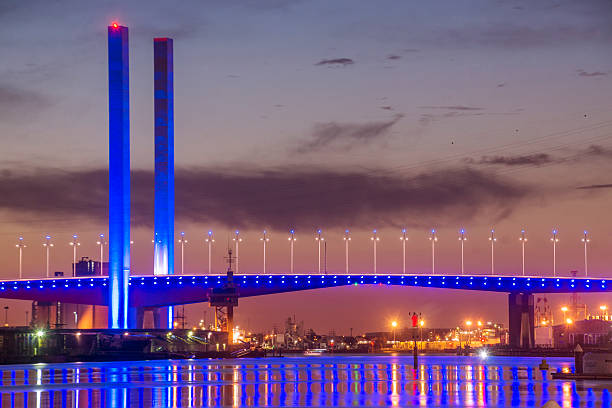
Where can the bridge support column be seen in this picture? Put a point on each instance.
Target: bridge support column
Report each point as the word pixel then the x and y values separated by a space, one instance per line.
pixel 163 317
pixel 521 323
pixel 136 317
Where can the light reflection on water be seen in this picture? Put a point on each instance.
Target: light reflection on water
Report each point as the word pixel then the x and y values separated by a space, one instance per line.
pixel 299 381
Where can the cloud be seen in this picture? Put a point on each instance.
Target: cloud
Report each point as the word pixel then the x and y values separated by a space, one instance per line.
pixel 276 198
pixel 387 107
pixel 454 107
pixel 598 151
pixel 346 135
pixel 501 84
pixel 16 101
pixel 540 159
pixel 594 186
pixel 336 62
pixel 584 73
pixel 537 159
pixel 393 57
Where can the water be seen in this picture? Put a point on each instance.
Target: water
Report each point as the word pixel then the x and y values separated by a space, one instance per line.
pixel 299 381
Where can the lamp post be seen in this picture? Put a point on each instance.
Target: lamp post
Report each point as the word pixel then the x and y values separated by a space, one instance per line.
pixel 319 239
pixel 564 309
pixel 523 239
pixel 554 240
pixel 209 240
pixel 394 325
pixel 347 238
pixel 469 330
pixel 492 239
pixel 375 240
pixel 237 240
pixel 585 239
pixel 101 242
pixel 74 243
pixel 462 239
pixel 291 241
pixel 433 238
pixel 265 240
pixel 403 238
pixel 182 241
pixel 20 244
pixel 47 245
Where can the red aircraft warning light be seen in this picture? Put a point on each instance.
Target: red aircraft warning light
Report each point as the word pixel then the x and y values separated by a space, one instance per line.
pixel 115 25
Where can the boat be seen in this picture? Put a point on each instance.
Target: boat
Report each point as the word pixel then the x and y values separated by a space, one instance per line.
pixel 314 352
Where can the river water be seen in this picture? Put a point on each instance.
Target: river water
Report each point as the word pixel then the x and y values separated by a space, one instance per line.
pixel 357 380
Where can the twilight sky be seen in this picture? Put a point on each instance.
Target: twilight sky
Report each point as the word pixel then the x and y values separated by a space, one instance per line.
pixel 306 114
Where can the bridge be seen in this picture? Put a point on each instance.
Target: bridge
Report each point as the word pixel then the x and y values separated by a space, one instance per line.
pixel 150 291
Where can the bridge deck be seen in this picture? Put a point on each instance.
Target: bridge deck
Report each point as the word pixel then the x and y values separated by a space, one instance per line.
pixel 181 289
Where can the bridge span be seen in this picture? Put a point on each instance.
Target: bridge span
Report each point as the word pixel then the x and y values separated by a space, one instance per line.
pixel 150 291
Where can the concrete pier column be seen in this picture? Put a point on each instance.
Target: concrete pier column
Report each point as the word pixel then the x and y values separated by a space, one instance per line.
pixel 136 317
pixel 162 317
pixel 521 320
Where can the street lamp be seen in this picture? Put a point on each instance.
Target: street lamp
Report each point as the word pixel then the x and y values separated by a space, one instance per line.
pixel 347 238
pixel 101 242
pixel 47 245
pixel 319 239
pixel 564 309
pixel 586 240
pixel 374 238
pixel 74 243
pixel 20 244
pixel 237 240
pixel 394 325
pixel 291 241
pixel 182 241
pixel 462 239
pixel 554 240
pixel 492 239
pixel 209 240
pixel 265 240
pixel 433 238
pixel 468 323
pixel 523 239
pixel 403 238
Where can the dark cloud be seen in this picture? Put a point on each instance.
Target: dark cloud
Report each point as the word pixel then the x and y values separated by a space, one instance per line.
pixel 277 198
pixel 594 186
pixel 454 107
pixel 346 135
pixel 386 107
pixel 583 73
pixel 501 84
pixel 598 151
pixel 537 159
pixel 540 159
pixel 393 57
pixel 336 62
pixel 15 101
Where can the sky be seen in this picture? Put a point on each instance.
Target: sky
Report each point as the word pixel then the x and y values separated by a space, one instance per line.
pixel 315 114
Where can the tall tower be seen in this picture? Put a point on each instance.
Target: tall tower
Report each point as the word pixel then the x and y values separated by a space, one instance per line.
pixel 164 164
pixel 164 156
pixel 119 176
